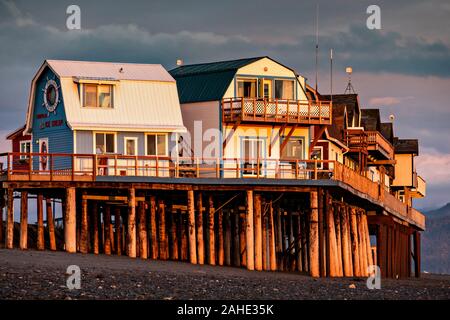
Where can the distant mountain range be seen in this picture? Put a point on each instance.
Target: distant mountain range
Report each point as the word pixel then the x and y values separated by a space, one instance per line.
pixel 436 241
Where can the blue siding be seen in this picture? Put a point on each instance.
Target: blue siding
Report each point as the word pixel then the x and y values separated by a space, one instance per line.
pixel 60 136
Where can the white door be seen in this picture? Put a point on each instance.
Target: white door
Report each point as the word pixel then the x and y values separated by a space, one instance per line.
pixel 43 159
pixel 252 149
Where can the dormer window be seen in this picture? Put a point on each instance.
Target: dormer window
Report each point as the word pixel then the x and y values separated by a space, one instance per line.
pixel 97 95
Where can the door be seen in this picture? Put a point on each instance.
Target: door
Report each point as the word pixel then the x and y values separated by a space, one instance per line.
pixel 252 154
pixel 267 89
pixel 43 159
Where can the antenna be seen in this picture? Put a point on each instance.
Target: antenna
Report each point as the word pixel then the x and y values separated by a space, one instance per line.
pixel 349 89
pixel 392 118
pixel 331 74
pixel 317 45
pixel 180 62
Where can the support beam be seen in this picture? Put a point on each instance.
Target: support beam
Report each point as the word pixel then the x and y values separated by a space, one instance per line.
pixel 84 226
pixel 143 249
pixel 10 219
pixel 332 245
pixel 40 222
pixel 23 220
pixel 355 243
pixel 191 227
pixel 212 242
pixel 50 224
pixel 227 242
pixel 118 227
pixel 131 234
pixel 337 224
pixel 346 252
pixel 220 253
pixel 70 226
pixel 200 242
pixel 95 226
pixel 316 139
pixel 258 232
pixel 272 252
pixel 163 254
pixel 174 233
pixel 417 258
pixel 314 236
pixel 2 206
pixel 154 230
pixel 109 237
pixel 264 215
pixel 286 139
pixel 249 231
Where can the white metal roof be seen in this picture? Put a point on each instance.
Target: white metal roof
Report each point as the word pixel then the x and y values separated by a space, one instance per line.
pixel 145 97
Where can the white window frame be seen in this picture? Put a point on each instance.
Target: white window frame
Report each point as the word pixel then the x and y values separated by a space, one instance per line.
pixel 94 143
pixel 24 157
pixel 166 152
pixel 320 164
pixel 135 139
pixel 113 95
pixel 281 79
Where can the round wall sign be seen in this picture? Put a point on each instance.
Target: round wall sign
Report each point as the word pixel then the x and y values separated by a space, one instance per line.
pixel 51 95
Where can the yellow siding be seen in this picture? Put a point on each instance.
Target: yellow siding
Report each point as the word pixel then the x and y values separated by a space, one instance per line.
pixel 403 170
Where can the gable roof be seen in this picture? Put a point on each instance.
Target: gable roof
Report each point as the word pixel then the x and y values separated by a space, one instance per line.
pixel 338 124
pixel 145 96
pixel 207 81
pixel 370 119
pixel 16 133
pixel 406 146
pixel 387 130
pixel 350 100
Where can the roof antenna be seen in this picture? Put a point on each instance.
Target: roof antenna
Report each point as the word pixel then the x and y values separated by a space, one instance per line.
pixel 317 45
pixel 349 88
pixel 331 74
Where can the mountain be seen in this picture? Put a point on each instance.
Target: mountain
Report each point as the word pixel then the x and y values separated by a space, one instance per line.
pixel 436 241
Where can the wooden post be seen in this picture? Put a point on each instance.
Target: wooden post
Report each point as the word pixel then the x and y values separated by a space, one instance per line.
pixel 367 240
pixel 243 238
pixel 183 234
pixel 107 229
pixel 337 224
pixel 323 261
pixel 264 215
pixel 346 252
pixel 212 243
pixel 10 219
pixel 40 222
pixel 331 235
pixel 272 252
pixel 314 235
pixel 95 223
pixel 200 243
pixel 23 220
pixel 249 231
pixel 236 242
pixel 355 243
pixel 84 225
pixel 417 257
pixel 362 243
pixel 131 234
pixel 299 245
pixel 258 230
pixel 279 238
pixel 174 234
pixel 118 227
pixel 191 227
pixel 50 224
pixel 227 243
pixel 143 249
pixel 163 254
pixel 2 206
pixel 153 230
pixel 221 253
pixel 70 227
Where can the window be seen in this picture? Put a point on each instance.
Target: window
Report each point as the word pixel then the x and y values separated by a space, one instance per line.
pixel 252 149
pixel 247 88
pixel 317 154
pixel 294 148
pixel 98 96
pixel 130 146
pixel 157 144
pixel 284 89
pixel 105 143
pixel 25 147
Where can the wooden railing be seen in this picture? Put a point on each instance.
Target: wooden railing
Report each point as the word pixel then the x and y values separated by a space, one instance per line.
pixel 276 110
pixel 376 141
pixel 91 167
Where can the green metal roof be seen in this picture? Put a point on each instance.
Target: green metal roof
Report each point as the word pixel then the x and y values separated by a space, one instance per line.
pixel 207 81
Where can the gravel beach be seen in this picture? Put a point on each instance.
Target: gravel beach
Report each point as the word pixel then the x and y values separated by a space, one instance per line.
pixel 42 275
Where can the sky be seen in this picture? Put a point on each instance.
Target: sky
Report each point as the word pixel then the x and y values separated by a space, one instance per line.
pixel 403 68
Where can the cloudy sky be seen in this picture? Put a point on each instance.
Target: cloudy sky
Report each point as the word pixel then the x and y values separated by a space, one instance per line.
pixel 403 69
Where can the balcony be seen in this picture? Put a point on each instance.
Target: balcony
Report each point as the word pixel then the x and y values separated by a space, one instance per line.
pixel 236 110
pixel 378 146
pixel 420 187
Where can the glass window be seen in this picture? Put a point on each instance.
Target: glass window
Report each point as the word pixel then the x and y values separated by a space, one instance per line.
pixel 293 149
pixel 25 147
pixel 284 89
pixel 247 88
pixel 98 96
pixel 104 143
pixel 156 145
pixel 130 146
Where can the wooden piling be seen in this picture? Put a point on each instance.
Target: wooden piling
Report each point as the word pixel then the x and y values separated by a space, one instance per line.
pixel 131 234
pixel 10 219
pixel 272 252
pixel 314 235
pixel 118 228
pixel 95 225
pixel 212 243
pixel 2 206
pixel 367 240
pixel 183 234
pixel 258 231
pixel 174 234
pixel 220 245
pixel 265 264
pixel 109 237
pixel 227 243
pixel 40 222
pixel 23 220
pixel 362 244
pixel 200 242
pixel 236 239
pixel 143 249
pixel 417 257
pixel 331 242
pixel 337 224
pixel 346 243
pixel 153 229
pixel 50 224
pixel 249 231
pixel 163 254
pixel 191 227
pixel 323 261
pixel 84 225
pixel 70 230
pixel 355 243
